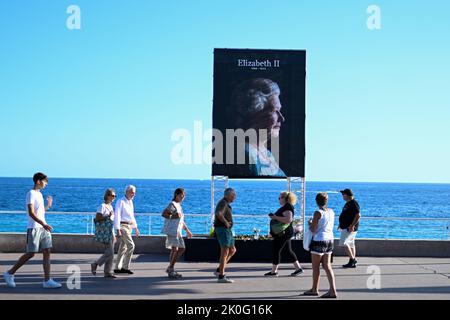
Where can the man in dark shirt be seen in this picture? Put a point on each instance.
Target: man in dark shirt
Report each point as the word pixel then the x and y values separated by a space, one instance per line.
pixel 348 225
pixel 223 222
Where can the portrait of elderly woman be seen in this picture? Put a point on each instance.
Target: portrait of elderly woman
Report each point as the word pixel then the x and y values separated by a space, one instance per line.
pixel 256 105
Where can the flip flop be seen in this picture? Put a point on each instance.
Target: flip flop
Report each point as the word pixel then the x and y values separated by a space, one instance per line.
pixel 328 296
pixel 310 293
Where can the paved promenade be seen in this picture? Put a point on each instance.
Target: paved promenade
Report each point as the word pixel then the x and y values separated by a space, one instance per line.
pixel 401 278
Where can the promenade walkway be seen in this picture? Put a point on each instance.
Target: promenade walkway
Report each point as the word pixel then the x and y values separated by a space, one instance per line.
pixel 401 278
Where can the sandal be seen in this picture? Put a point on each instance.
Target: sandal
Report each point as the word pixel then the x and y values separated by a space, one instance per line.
pixel 310 293
pixel 169 270
pixel 174 275
pixel 328 295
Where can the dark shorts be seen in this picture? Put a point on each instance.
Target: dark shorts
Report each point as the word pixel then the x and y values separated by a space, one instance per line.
pixel 225 237
pixel 321 247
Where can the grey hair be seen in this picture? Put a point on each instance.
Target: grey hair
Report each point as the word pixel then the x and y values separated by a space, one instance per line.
pixel 130 187
pixel 252 96
pixel 228 191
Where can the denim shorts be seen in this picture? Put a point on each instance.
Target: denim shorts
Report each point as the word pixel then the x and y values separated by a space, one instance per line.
pixel 225 237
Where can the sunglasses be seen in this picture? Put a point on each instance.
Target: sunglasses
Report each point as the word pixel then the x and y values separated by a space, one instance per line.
pixel 112 195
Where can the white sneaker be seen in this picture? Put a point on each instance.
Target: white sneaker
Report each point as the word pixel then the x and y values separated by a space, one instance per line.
pixel 51 284
pixel 9 279
pixel 225 280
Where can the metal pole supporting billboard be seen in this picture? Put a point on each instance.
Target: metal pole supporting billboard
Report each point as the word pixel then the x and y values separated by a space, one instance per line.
pixel 303 201
pixel 302 190
pixel 213 190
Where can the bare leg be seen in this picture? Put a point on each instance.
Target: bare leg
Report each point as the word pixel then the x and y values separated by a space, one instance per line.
pixel 231 253
pixel 175 254
pixel 326 264
pixel 297 265
pixel 349 252
pixel 224 258
pixel 173 257
pixel 46 264
pixel 316 271
pixel 180 253
pixel 22 260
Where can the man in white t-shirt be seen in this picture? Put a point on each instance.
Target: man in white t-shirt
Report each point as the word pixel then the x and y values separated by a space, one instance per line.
pixel 38 233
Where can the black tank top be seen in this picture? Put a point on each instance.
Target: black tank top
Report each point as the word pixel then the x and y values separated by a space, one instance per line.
pixel 286 207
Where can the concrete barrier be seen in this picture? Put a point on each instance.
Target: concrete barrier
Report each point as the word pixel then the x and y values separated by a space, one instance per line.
pixel 398 248
pixel 80 243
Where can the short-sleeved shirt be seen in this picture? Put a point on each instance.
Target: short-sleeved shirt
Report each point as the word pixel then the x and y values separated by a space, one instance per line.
pixel 224 207
pixel 36 199
pixel 349 212
pixel 106 210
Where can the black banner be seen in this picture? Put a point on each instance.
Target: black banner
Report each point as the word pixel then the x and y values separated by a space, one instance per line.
pixel 259 113
pixel 270 309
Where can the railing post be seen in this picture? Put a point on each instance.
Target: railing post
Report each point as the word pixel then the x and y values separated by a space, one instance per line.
pixel 448 231
pixel 150 224
pixel 387 231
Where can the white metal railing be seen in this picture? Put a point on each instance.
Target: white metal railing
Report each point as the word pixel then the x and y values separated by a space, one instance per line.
pixel 371 227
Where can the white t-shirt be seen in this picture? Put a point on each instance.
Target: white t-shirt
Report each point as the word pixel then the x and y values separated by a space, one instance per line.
pixel 36 199
pixel 106 210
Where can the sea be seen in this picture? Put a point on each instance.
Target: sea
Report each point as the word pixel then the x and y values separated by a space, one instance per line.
pixel 389 210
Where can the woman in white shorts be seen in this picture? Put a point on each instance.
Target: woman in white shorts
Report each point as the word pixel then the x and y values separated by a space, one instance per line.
pixel 173 227
pixel 321 246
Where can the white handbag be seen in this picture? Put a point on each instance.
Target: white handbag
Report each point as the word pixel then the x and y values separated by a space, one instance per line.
pixel 307 238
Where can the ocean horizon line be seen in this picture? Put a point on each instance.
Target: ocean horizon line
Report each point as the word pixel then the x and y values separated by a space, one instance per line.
pixel 240 179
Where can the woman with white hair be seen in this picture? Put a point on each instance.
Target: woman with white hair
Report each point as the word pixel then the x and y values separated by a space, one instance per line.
pixel 124 224
pixel 257 107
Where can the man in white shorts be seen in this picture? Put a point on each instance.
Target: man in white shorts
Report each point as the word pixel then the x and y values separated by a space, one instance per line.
pixel 348 225
pixel 38 233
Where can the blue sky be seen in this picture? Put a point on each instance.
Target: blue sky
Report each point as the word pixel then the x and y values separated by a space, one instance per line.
pixel 103 101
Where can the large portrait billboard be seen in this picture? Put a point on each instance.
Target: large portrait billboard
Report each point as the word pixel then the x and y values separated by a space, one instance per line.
pixel 259 113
